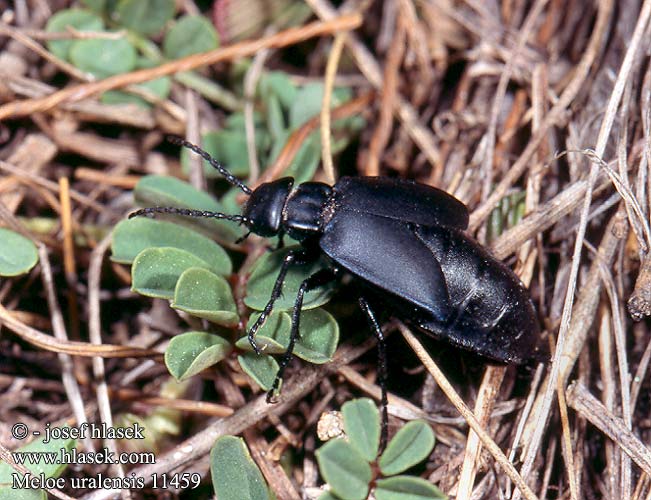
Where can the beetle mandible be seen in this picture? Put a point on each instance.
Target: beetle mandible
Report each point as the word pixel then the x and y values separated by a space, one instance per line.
pixel 403 242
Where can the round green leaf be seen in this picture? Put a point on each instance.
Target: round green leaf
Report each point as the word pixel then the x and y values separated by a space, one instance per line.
pixel 206 295
pixel 345 470
pixel 79 19
pixel 263 277
pixel 103 57
pixel 155 271
pixel 407 488
pixel 261 368
pixel 319 336
pixel 190 35
pixel 192 352
pixel 158 190
pixel 411 444
pixel 132 236
pixel 17 253
pixel 235 476
pixel 144 16
pixel 362 426
pixel 272 337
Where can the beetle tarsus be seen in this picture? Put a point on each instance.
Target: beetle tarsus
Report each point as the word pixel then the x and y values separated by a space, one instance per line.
pixel 271 396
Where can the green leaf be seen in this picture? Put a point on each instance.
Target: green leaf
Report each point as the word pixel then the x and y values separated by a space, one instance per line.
pixel 155 271
pixel 36 466
pixel 235 475
pixel 190 35
pixel 327 495
pixel 308 100
pixel 319 335
pixel 103 57
pixel 362 426
pixel 273 335
pixel 17 254
pixel 206 295
pixel 144 16
pixel 158 190
pixel 261 368
pixel 411 444
pixel 132 236
pixel 407 488
pixel 263 277
pixel 275 118
pixel 79 19
pixel 345 470
pixel 279 84
pixel 192 352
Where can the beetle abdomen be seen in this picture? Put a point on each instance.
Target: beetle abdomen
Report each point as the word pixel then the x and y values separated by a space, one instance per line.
pixel 491 311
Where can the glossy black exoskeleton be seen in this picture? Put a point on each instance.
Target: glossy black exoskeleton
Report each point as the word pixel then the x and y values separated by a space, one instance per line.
pixel 404 244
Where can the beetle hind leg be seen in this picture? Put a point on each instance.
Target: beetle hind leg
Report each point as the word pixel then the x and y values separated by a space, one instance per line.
pixel 318 279
pixel 382 368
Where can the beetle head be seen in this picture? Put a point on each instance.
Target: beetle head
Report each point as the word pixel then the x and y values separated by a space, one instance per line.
pixel 264 208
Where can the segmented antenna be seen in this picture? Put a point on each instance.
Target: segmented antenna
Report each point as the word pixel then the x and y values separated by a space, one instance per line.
pixel 190 213
pixel 206 156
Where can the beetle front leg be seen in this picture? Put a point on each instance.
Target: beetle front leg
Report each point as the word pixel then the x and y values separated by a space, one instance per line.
pixel 382 368
pixel 299 256
pixel 320 278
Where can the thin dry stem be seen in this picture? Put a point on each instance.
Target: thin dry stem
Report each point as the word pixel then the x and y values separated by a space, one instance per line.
pixel 328 85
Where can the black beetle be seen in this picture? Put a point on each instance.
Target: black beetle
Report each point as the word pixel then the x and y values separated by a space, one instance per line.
pixel 404 244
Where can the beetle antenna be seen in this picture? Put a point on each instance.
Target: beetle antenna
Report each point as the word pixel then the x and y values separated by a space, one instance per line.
pixel 190 213
pixel 206 156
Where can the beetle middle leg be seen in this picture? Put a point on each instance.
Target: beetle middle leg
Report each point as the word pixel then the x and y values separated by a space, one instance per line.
pixel 382 367
pixel 320 278
pixel 299 256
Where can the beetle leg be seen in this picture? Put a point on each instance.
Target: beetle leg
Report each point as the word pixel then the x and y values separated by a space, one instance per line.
pixel 318 279
pixel 293 257
pixel 382 367
pixel 281 241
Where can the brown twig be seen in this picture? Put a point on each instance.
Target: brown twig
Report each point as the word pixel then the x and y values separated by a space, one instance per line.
pixel 285 38
pixel 389 94
pixel 49 343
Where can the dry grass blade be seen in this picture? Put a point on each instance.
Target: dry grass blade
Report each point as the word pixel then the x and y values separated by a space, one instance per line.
pixel 580 399
pixel 467 414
